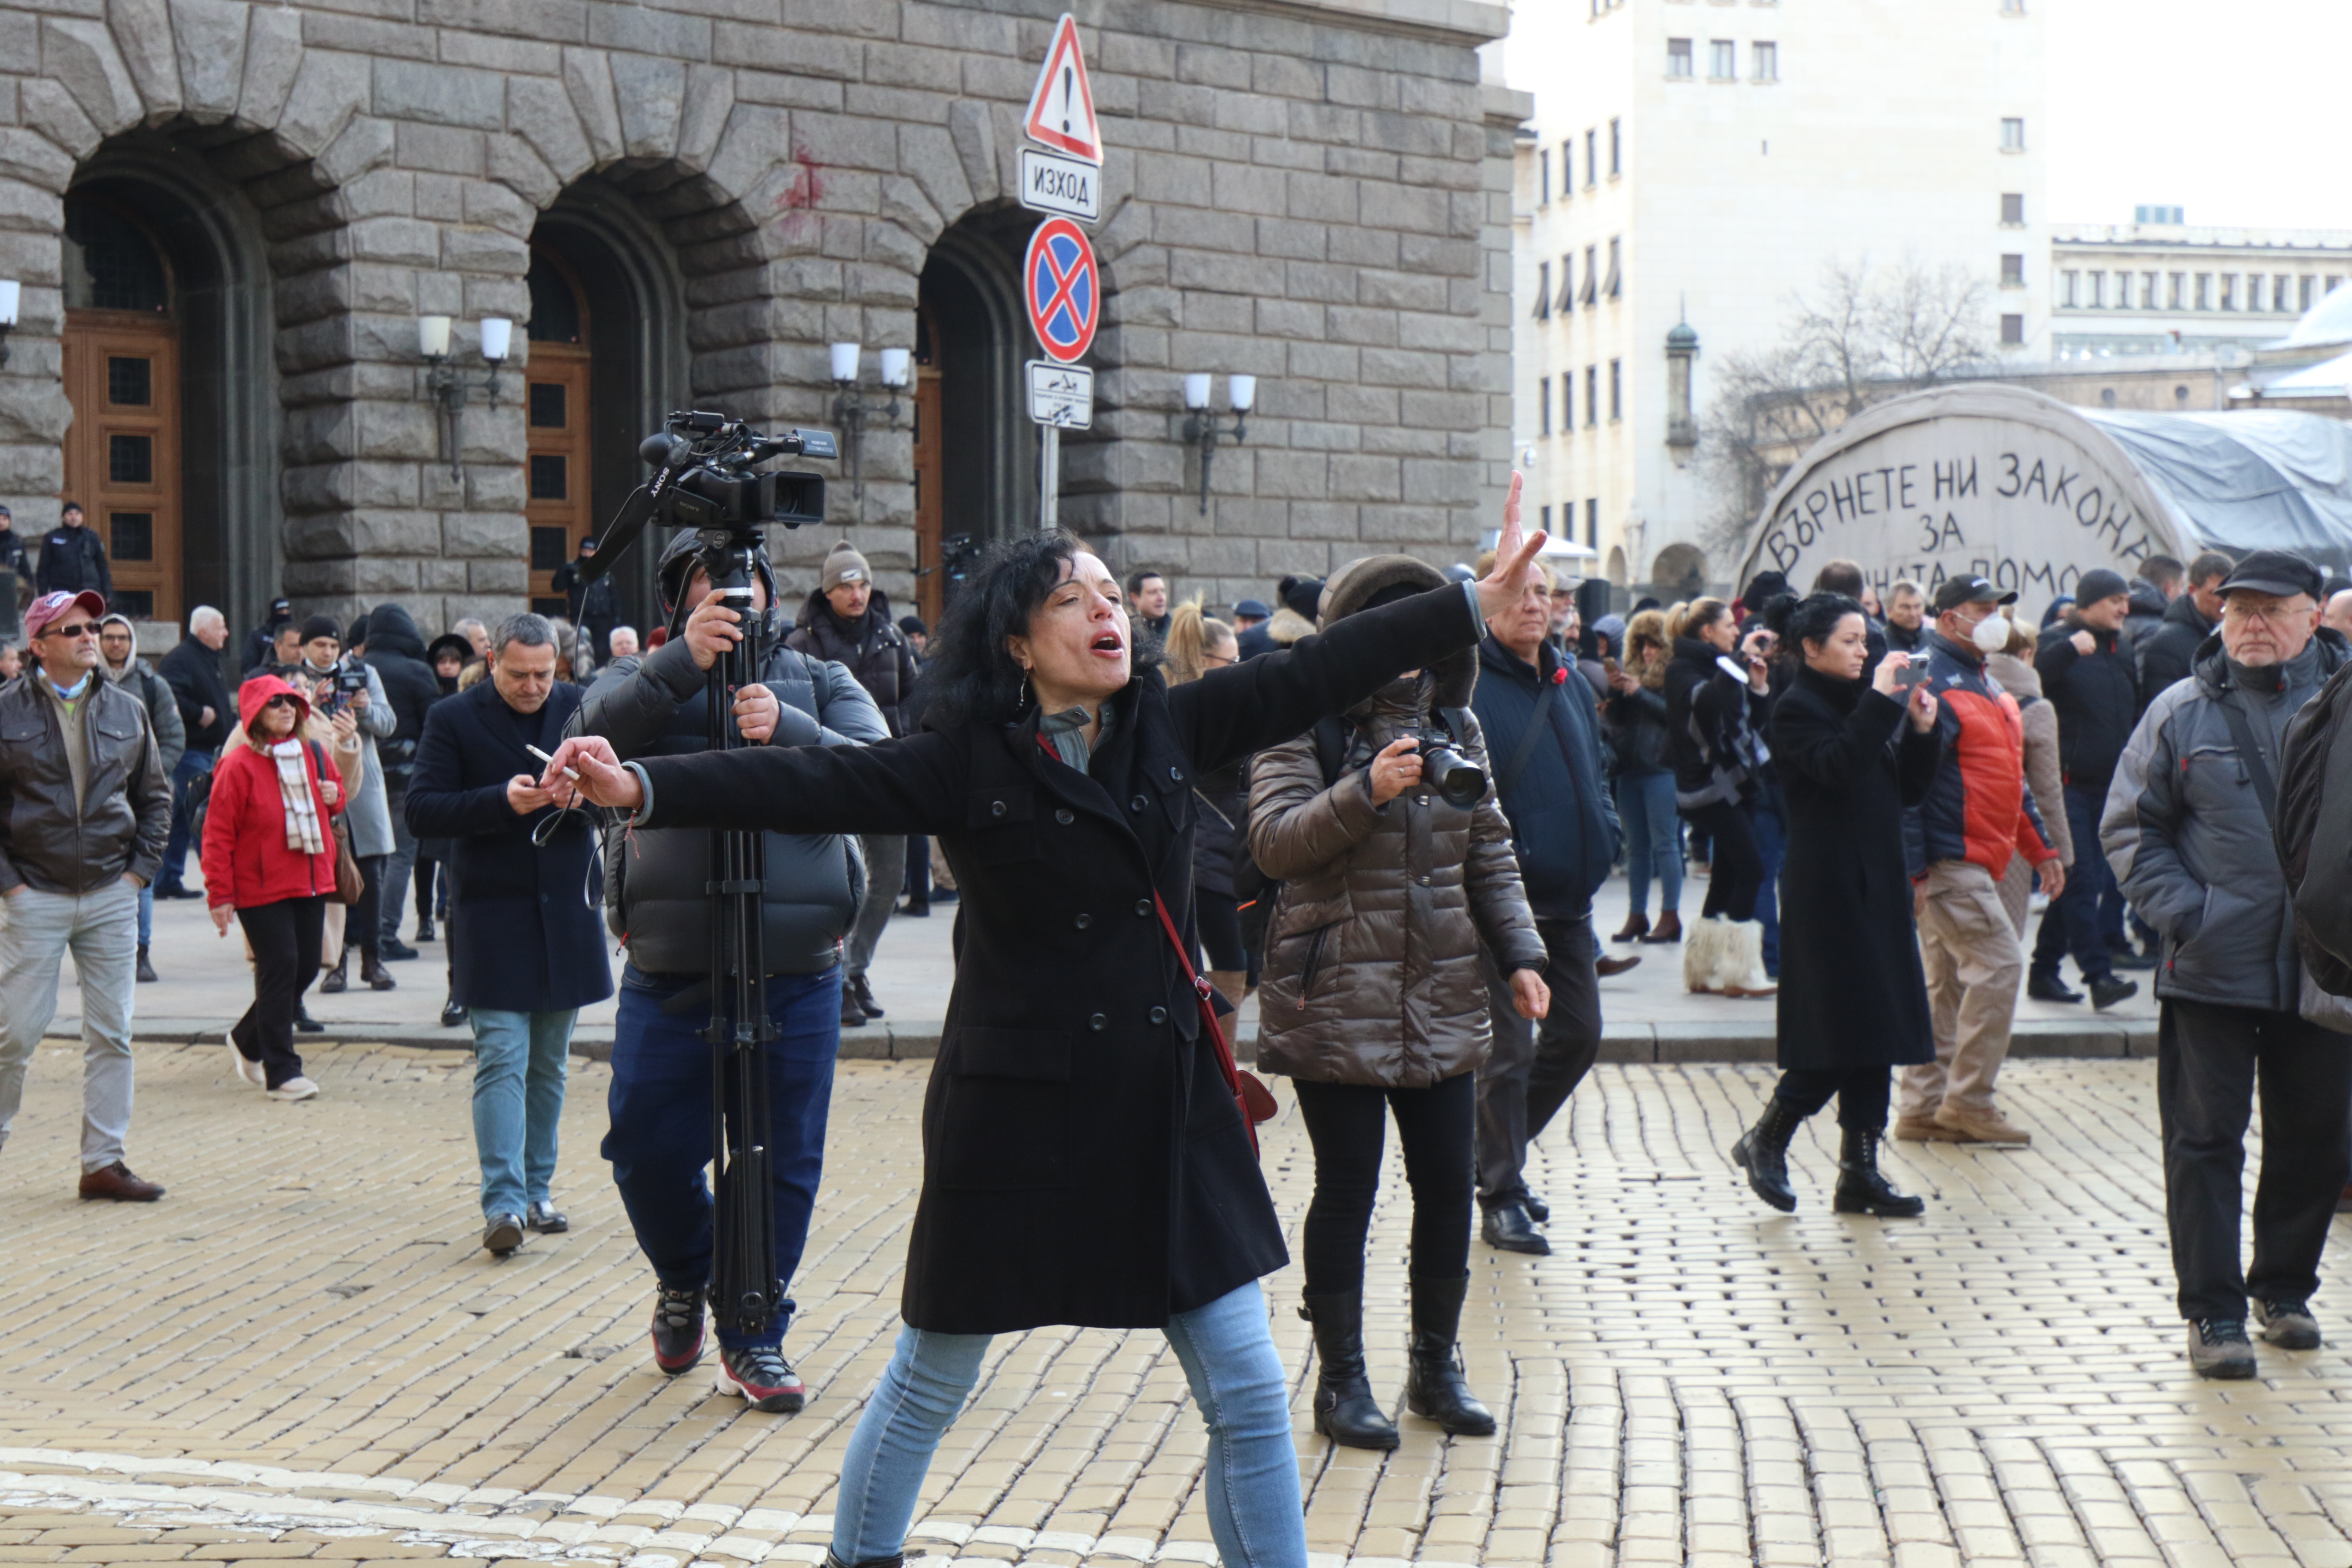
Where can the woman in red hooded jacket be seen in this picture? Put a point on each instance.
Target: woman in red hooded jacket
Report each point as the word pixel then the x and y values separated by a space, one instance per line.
pixel 269 858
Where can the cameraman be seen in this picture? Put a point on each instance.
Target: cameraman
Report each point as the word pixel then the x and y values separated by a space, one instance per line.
pixel 655 900
pixel 336 685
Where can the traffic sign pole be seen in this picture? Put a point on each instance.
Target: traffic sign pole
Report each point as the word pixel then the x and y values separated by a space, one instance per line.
pixel 1060 283
pixel 1049 489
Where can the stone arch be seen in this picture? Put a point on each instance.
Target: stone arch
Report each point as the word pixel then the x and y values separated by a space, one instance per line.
pixel 1617 569
pixel 1680 572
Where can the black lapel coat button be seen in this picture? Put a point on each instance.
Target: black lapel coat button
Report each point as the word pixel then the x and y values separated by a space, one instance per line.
pixel 1177 773
pixel 1136 804
pixel 1065 816
pixel 1159 1015
pixel 996 808
pixel 1143 908
pixel 1099 1022
pixel 1083 921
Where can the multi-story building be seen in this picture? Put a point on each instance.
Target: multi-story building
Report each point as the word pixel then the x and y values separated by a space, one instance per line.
pixel 1694 165
pixel 2158 286
pixel 369 301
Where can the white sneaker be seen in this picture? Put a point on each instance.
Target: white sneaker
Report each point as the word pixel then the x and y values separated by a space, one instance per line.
pixel 295 1089
pixel 248 1069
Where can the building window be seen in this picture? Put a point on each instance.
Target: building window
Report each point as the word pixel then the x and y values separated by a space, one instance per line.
pixel 2098 290
pixel 2204 290
pixel 2147 291
pixel 1567 287
pixel 1545 512
pixel 2179 283
pixel 2330 288
pixel 2013 207
pixel 2230 301
pixel 1543 407
pixel 1543 291
pixel 1591 159
pixel 2012 135
pixel 1722 59
pixel 1591 395
pixel 2013 7
pixel 1615 287
pixel 2012 275
pixel 2303 294
pixel 2066 289
pixel 2157 214
pixel 1678 58
pixel 1616 147
pixel 1566 401
pixel 1616 390
pixel 2282 293
pixel 2012 330
pixel 1593 522
pixel 1767 61
pixel 1543 162
pixel 1566 166
pixel 1591 274
pixel 2121 301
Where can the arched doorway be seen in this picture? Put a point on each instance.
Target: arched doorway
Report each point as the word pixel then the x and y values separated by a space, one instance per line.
pixel 122 371
pixel 981 446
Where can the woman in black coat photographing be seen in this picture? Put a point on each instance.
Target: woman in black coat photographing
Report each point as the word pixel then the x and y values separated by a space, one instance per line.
pixel 1085 1161
pixel 1854 999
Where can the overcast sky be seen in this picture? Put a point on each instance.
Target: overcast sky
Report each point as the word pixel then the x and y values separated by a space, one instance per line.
pixel 2239 112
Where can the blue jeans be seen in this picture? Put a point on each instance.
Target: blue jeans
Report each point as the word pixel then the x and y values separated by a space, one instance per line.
pixel 1236 1376
pixel 192 765
pixel 146 914
pixel 661 1137
pixel 517 1100
pixel 2072 922
pixel 1772 844
pixel 1645 806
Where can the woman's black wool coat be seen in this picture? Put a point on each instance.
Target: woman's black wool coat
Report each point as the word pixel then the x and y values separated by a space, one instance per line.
pixel 1083 1162
pixel 1851 991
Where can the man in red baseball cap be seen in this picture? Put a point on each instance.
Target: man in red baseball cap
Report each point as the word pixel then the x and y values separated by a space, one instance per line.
pixel 84 812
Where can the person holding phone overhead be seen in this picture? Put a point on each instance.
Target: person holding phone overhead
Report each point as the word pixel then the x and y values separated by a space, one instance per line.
pixel 1085 1159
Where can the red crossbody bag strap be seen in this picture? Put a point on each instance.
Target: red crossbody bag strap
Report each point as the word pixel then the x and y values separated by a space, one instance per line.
pixel 1254 1108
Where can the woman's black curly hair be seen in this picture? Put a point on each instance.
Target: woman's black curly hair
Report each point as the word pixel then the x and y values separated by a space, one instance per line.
pixel 970 674
pixel 1813 619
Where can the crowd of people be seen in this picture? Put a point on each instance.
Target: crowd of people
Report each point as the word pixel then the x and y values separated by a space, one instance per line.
pixel 1384 804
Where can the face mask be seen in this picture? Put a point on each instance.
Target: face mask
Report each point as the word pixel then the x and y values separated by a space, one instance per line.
pixel 1991 634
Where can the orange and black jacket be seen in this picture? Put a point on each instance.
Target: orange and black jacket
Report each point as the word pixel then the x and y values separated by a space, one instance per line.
pixel 1977 809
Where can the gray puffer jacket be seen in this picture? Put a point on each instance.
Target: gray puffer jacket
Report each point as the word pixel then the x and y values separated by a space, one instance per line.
pixel 2187 837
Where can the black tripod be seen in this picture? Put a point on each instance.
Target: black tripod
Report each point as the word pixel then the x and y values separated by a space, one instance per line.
pixel 745 1292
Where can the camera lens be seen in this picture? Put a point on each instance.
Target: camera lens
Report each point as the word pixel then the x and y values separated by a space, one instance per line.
pixel 1459 784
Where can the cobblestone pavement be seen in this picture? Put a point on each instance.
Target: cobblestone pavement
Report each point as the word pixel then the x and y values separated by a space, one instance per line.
pixel 301 1353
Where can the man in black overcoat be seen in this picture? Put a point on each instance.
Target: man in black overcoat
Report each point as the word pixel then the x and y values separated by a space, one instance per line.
pixel 526 948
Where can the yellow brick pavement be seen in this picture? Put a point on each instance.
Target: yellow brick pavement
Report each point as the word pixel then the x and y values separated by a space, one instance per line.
pixel 302 1353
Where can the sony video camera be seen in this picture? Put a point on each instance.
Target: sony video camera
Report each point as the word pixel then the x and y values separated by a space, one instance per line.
pixel 704 481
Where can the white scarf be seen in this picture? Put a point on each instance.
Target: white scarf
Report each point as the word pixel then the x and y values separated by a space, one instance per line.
pixel 294 788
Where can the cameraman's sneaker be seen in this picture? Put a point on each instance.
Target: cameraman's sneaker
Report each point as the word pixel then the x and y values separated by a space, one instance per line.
pixel 2218 1347
pixel 2288 1325
pixel 678 1327
pixel 762 1374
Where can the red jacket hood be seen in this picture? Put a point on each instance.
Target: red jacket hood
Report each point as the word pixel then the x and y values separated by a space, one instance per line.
pixel 256 693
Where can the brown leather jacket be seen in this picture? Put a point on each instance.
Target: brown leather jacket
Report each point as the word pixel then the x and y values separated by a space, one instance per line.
pixel 1372 974
pixel 50 842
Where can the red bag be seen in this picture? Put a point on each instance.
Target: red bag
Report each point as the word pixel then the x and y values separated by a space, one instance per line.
pixel 1249 1091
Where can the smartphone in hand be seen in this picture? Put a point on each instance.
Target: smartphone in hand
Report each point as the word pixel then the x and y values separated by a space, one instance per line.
pixel 1913 674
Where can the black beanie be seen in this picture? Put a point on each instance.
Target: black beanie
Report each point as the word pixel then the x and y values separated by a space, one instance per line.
pixel 319 626
pixel 1302 596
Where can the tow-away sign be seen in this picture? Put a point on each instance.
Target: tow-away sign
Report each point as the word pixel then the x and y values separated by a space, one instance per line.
pixel 1064 185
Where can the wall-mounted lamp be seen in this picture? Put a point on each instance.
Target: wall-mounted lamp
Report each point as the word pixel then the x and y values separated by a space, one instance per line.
pixel 11 295
pixel 851 406
pixel 1201 426
pixel 445 384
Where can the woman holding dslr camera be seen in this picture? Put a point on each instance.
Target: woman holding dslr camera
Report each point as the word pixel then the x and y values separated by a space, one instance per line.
pixel 1086 1161
pixel 1372 1000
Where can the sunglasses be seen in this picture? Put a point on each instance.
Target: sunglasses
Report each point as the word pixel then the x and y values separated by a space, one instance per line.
pixel 282 702
pixel 79 629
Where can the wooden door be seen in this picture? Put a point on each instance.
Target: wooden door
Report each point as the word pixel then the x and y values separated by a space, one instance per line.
pixel 930 502
pixel 555 424
pixel 123 451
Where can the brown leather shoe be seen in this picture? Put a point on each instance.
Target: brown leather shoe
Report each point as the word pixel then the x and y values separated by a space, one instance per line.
pixel 1921 1130
pixel 116 1182
pixel 1668 929
pixel 1605 967
pixel 1636 924
pixel 1986 1127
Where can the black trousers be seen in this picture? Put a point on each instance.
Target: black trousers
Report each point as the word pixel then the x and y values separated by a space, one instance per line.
pixel 918 883
pixel 1535 1064
pixel 1861 1094
pixel 359 924
pixel 2208 1061
pixel 1219 918
pixel 1736 873
pixel 1345 1122
pixel 285 939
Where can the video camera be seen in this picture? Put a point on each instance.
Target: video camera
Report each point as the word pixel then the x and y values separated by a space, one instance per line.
pixel 703 479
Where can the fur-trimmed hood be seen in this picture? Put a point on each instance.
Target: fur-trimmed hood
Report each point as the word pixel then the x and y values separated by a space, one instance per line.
pixel 1352 587
pixel 1287 625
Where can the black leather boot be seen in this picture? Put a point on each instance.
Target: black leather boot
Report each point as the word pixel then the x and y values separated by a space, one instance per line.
pixel 1345 1410
pixel 896 1561
pixel 1763 1153
pixel 338 978
pixel 1861 1189
pixel 1433 1384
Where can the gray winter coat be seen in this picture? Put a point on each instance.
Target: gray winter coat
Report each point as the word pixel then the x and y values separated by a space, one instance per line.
pixel 654 893
pixel 2189 840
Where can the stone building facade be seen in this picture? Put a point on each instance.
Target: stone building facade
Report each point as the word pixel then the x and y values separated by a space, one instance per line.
pixel 227 219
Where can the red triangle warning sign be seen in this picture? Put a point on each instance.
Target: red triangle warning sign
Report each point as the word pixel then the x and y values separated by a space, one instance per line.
pixel 1061 108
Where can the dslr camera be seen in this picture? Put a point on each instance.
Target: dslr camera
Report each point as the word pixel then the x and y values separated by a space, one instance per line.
pixel 1458 780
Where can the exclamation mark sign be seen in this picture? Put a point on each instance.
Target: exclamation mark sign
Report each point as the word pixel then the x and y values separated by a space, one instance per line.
pixel 1067 88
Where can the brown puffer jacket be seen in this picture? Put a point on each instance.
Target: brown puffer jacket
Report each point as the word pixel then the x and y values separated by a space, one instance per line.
pixel 1371 972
